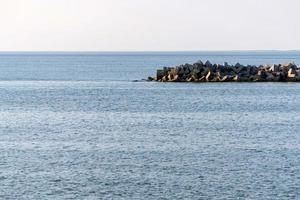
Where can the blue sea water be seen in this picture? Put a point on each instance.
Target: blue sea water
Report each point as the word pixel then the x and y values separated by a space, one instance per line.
pixel 76 126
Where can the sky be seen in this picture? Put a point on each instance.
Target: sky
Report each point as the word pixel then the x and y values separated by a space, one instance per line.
pixel 149 25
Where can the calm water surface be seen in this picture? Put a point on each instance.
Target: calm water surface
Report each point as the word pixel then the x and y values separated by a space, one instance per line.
pixel 75 126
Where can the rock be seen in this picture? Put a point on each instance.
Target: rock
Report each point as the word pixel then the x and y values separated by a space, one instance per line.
pixel 191 68
pixel 291 73
pixel 230 69
pixel 199 63
pixel 160 74
pixel 176 78
pixel 290 66
pixel 236 78
pixel 196 75
pixel 205 71
pixel 245 71
pixel 261 74
pixel 280 76
pixel 213 68
pixel 238 68
pixel 221 68
pixel 191 79
pixel 276 78
pixel 202 79
pixel 215 79
pixel 150 78
pixel 253 70
pixel 208 76
pixel 225 78
pixel 180 71
pixel 244 79
pixel 199 72
pixel 286 67
pixel 237 65
pixel 252 78
pixel 173 72
pixel 165 78
pixel 269 76
pixel 208 64
pixel 267 67
pixel 196 70
pixel 274 68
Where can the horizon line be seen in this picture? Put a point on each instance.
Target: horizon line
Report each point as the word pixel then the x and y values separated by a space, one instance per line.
pixel 140 51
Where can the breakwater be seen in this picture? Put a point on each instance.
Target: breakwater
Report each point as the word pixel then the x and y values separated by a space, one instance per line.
pixel 208 72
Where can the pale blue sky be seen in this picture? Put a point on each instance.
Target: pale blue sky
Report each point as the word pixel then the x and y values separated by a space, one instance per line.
pixel 149 25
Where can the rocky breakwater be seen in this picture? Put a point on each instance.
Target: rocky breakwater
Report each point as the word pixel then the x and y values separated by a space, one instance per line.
pixel 208 72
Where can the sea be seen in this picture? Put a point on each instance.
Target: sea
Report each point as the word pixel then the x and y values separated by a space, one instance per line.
pixel 77 125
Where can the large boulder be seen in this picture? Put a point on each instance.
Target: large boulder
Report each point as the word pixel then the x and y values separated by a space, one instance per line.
pixel 199 63
pixel 274 68
pixel 291 73
pixel 269 76
pixel 221 68
pixel 290 66
pixel 238 68
pixel 164 79
pixel 266 67
pixel 191 67
pixel 280 76
pixel 187 71
pixel 236 78
pixel 262 74
pixel 238 65
pixel 253 70
pixel 196 70
pixel 175 78
pixel 287 66
pixel 245 71
pixel 160 73
pixel 180 71
pixel 173 71
pixel 208 64
pixel 170 77
pixel 230 69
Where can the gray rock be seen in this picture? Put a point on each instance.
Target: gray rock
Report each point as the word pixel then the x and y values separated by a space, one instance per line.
pixel 208 64
pixel 262 74
pixel 160 74
pixel 199 63
pixel 238 65
pixel 269 76
pixel 180 71
pixel 150 78
pixel 274 68
pixel 221 68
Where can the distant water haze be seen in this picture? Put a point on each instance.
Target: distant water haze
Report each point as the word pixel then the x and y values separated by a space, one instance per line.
pixel 149 25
